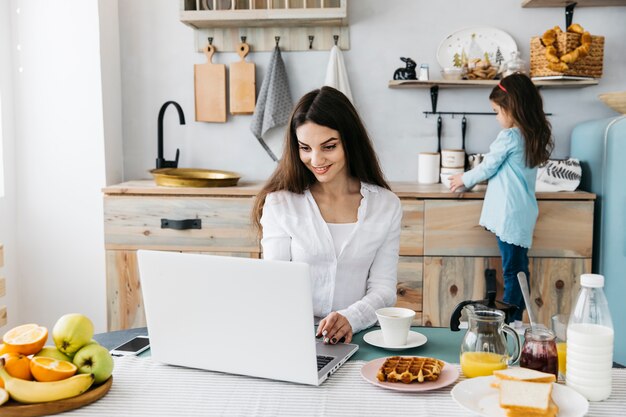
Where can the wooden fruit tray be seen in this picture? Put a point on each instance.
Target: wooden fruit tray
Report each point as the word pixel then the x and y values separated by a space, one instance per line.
pixel 15 409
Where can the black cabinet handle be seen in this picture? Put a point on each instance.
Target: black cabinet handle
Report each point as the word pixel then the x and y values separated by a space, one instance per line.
pixel 181 224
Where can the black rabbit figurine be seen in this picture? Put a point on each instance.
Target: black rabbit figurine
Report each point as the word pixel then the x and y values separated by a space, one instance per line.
pixel 407 73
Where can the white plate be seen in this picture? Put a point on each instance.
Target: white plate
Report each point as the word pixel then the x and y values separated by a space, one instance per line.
pixel 375 338
pixel 476 395
pixel 449 374
pixel 487 39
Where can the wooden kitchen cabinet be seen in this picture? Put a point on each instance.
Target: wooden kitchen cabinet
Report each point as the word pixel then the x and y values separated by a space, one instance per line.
pixel 451 280
pixel 443 251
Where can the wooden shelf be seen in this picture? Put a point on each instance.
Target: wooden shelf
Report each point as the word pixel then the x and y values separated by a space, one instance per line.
pixel 263 18
pixel 260 21
pixel 289 14
pixel 579 3
pixel 485 83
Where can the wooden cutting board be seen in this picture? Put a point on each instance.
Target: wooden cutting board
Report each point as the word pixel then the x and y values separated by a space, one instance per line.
pixel 210 89
pixel 242 84
pixel 14 409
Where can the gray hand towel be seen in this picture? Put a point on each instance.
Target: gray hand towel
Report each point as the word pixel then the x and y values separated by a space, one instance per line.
pixel 274 104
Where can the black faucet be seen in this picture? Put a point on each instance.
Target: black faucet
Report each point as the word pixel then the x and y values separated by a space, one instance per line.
pixel 160 162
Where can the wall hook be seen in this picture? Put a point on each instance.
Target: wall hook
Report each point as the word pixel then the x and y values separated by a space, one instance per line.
pixel 311 37
pixel 210 38
pixel 243 39
pixel 569 14
pixel 277 39
pixel 336 38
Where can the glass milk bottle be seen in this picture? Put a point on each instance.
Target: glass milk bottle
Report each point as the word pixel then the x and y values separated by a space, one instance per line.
pixel 590 341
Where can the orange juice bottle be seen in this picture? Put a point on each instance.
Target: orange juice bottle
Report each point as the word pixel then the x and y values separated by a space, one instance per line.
pixel 481 363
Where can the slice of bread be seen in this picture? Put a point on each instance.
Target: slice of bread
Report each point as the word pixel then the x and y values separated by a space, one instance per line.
pixel 524 374
pixel 526 397
pixel 553 411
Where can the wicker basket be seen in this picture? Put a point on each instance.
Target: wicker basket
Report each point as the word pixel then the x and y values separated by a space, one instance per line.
pixel 616 101
pixel 589 66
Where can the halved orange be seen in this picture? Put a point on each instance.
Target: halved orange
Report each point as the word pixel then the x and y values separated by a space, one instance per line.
pixel 17 365
pixel 50 369
pixel 26 339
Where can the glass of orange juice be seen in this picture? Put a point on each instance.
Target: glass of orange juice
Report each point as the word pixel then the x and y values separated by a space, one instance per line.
pixel 559 326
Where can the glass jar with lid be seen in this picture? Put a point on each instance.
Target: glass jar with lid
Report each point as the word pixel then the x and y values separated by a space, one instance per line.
pixel 515 64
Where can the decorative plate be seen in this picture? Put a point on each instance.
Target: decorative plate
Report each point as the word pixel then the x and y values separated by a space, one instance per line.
pixel 475 42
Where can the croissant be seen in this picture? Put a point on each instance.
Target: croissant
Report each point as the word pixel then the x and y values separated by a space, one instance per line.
pixel 583 50
pixel 585 38
pixel 548 37
pixel 570 57
pixel 558 66
pixel 551 55
pixel 557 29
pixel 575 28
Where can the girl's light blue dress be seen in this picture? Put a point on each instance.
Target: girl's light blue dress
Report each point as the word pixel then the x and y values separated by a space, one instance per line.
pixel 510 207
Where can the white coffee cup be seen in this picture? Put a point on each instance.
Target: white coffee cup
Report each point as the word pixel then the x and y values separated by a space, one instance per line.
pixel 395 322
pixel 445 180
pixel 453 158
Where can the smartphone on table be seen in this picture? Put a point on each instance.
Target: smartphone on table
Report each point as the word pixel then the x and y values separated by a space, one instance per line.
pixel 132 347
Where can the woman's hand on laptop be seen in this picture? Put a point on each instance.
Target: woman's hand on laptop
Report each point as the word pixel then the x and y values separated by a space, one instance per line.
pixel 334 328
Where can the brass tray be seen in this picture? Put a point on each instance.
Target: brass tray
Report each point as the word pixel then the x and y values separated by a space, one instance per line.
pixel 194 177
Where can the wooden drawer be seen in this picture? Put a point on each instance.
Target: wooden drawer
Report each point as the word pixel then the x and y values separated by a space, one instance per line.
pixel 412 229
pixel 563 229
pixel 132 222
pixel 409 289
pixel 449 280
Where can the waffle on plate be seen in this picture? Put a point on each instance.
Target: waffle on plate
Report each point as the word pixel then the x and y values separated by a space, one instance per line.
pixel 410 369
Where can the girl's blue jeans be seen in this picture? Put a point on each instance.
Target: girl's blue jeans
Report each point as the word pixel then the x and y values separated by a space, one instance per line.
pixel 514 260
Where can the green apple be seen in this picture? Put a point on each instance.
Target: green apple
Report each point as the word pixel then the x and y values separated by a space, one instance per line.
pixel 94 359
pixel 71 332
pixel 54 353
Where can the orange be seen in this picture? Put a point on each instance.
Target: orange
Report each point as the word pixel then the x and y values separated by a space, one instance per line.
pixel 3 349
pixel 17 365
pixel 26 339
pixel 50 369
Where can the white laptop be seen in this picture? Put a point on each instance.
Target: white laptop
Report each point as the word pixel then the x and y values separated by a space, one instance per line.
pixel 237 315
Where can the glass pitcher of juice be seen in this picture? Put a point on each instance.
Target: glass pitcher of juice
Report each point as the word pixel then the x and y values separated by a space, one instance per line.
pixel 484 348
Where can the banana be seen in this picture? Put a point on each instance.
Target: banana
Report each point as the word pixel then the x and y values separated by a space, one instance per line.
pixel 31 392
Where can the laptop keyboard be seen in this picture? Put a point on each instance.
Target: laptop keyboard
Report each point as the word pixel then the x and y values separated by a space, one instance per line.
pixel 322 361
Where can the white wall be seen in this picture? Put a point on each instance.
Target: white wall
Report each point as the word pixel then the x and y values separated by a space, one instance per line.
pixel 158 56
pixel 7 135
pixel 60 165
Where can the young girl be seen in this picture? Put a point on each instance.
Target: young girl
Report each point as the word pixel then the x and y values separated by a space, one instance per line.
pixel 510 206
pixel 328 204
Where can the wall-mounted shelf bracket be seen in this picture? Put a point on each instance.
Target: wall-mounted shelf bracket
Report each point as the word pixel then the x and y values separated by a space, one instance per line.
pixel 434 94
pixel 569 14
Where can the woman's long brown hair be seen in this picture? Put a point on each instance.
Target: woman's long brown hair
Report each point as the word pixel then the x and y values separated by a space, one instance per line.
pixel 331 108
pixel 518 97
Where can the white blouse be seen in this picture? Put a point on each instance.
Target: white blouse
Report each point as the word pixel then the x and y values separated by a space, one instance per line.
pixel 363 277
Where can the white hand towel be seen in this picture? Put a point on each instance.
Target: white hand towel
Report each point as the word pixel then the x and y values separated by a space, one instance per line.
pixel 336 74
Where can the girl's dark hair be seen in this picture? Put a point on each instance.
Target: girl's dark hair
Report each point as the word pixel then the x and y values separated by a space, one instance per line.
pixel 331 108
pixel 520 99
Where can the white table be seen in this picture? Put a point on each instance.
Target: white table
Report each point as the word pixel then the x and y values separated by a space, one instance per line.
pixel 142 387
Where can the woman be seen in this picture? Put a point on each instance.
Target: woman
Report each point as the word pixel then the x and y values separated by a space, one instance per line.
pixel 328 204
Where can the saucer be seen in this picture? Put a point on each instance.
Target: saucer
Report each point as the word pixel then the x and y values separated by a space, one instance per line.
pixel 375 338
